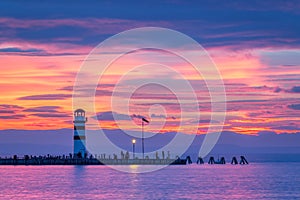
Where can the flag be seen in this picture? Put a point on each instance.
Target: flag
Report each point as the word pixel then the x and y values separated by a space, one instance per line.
pixel 145 120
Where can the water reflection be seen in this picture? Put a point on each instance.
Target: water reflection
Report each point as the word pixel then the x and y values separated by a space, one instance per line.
pixel 255 181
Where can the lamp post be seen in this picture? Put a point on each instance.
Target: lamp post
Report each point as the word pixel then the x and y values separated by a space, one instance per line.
pixel 133 147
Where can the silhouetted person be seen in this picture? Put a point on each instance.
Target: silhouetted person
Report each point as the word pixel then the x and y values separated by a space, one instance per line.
pixel 15 159
pixel 189 160
pixel 79 155
pixel 26 158
pixel 156 156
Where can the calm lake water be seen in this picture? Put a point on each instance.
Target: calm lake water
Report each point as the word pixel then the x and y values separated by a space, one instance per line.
pixel 254 181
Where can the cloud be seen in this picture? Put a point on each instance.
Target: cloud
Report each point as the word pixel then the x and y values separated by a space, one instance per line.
pixel 49 109
pixel 17 116
pixel 103 92
pixel 46 97
pixel 30 47
pixel 294 106
pixel 161 116
pixel 158 116
pixel 138 116
pixel 286 127
pixel 231 24
pixel 10 106
pixel 32 52
pixel 246 101
pixel 47 112
pixel 50 23
pixel 266 133
pixel 109 116
pixel 208 121
pixel 277 89
pixel 51 115
pixel 66 88
pixel 19 50
pixel 153 96
pixel 86 31
pixel 7 111
pixel 282 58
pixel 10 111
pixel 295 89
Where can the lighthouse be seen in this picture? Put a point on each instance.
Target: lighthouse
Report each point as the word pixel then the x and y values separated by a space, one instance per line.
pixel 79 133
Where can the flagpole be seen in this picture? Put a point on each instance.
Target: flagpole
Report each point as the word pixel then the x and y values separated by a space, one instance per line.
pixel 143 138
pixel 143 148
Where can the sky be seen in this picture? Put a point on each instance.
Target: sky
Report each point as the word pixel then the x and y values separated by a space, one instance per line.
pixel 254 44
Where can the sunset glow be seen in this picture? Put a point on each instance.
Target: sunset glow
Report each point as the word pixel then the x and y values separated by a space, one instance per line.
pixel 37 77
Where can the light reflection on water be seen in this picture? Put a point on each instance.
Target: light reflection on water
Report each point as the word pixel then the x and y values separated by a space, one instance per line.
pixel 255 181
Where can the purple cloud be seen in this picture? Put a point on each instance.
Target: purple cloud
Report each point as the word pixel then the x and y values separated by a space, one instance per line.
pixel 46 97
pixel 109 116
pixel 295 89
pixel 51 115
pixel 158 116
pixel 101 92
pixel 47 112
pixel 66 88
pixel 137 116
pixel 17 116
pixel 277 89
pixel 20 50
pixel 294 106
pixel 10 106
pixel 7 112
pixel 50 109
pixel 162 116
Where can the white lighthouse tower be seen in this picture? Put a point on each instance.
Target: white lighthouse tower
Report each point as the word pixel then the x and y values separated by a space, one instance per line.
pixel 79 132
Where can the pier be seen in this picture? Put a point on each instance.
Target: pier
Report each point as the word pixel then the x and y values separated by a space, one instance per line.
pixel 69 160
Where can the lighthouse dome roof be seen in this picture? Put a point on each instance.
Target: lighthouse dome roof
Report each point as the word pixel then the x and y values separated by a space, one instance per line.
pixel 79 110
